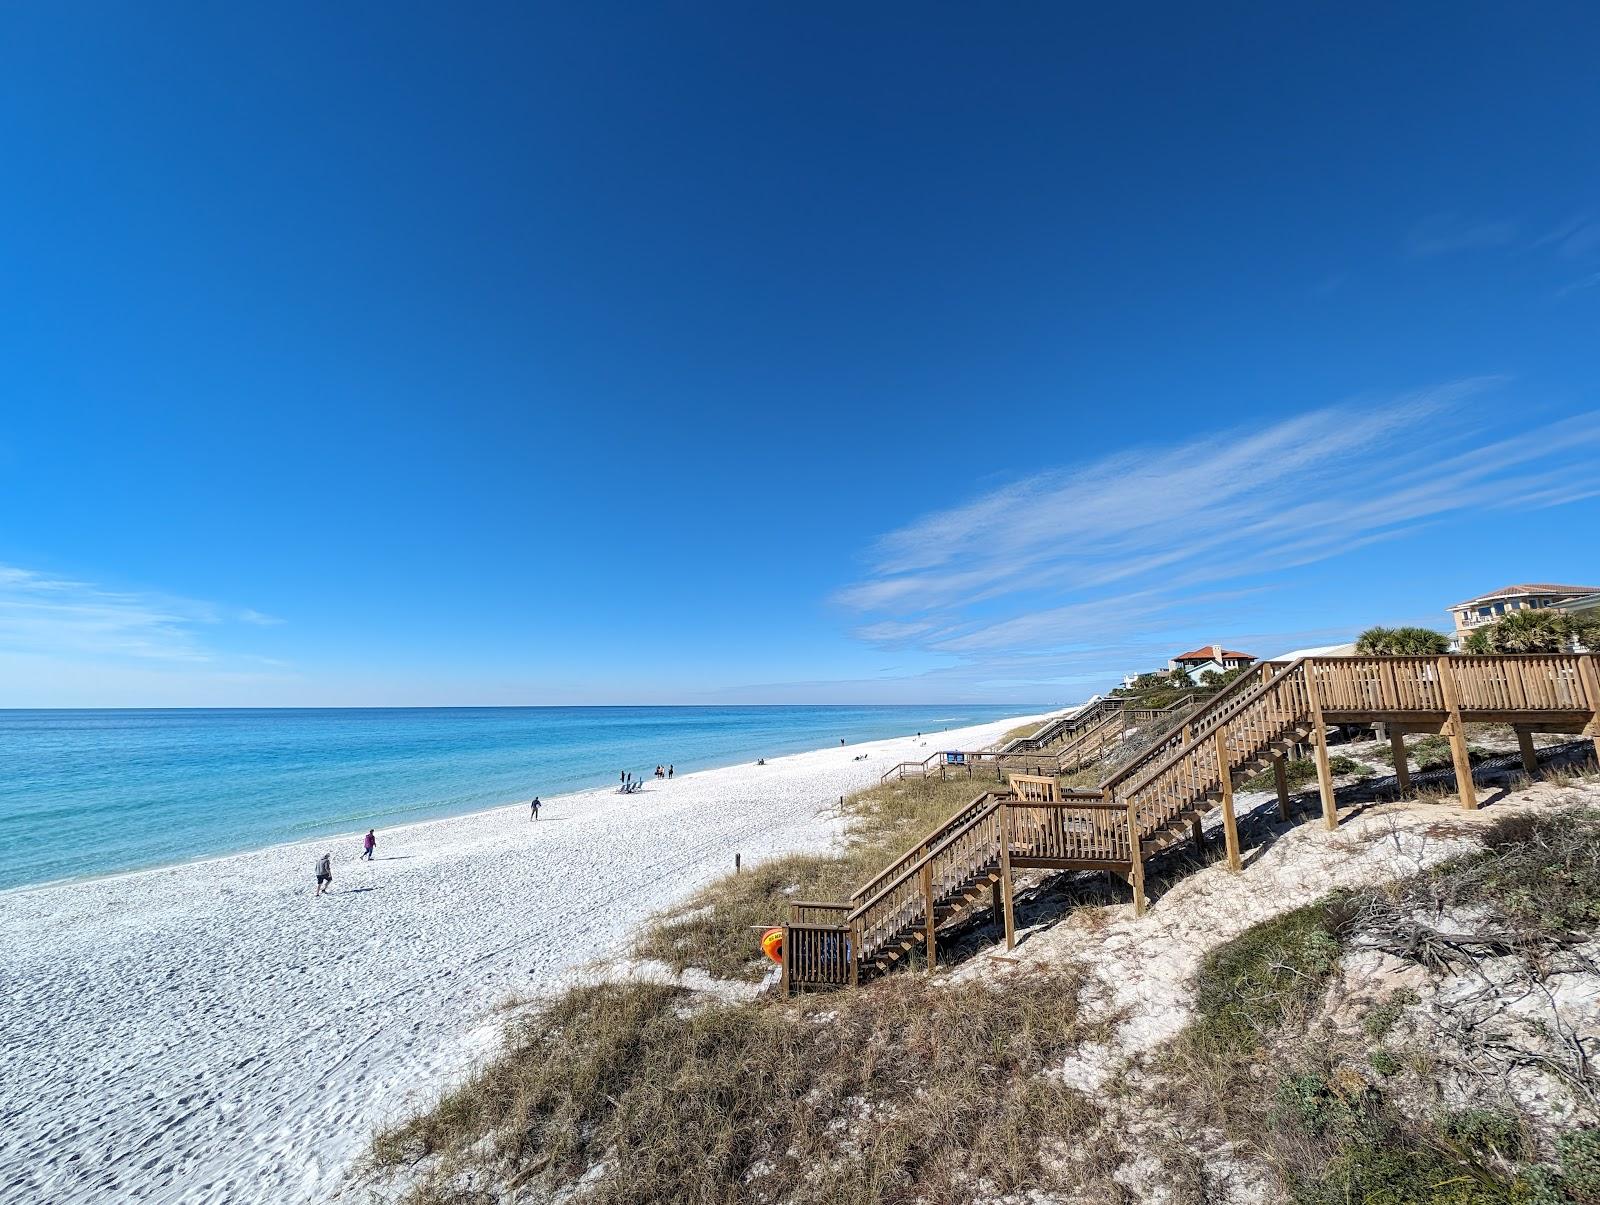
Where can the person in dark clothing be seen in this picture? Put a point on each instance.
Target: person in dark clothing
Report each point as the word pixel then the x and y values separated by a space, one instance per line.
pixel 534 808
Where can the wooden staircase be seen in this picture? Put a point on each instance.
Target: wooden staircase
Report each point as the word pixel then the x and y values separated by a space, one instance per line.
pixel 1160 798
pixel 1064 745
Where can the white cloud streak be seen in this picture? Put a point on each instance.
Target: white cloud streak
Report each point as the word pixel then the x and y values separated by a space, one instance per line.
pixel 60 617
pixel 1059 567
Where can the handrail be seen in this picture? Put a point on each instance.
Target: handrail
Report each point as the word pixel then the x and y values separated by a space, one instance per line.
pixel 957 817
pixel 996 801
pixel 1245 682
pixel 1208 728
pixel 1082 712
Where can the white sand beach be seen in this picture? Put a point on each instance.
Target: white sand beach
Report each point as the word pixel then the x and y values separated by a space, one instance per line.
pixel 210 1032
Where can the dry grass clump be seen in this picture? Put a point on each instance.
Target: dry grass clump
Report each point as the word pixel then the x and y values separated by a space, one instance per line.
pixel 719 927
pixel 909 1092
pixel 1025 730
pixel 716 929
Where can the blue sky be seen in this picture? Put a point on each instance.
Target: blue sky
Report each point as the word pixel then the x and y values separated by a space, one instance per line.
pixel 707 353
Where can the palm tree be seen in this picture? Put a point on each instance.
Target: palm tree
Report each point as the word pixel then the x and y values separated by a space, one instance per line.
pixel 1401 642
pixel 1531 632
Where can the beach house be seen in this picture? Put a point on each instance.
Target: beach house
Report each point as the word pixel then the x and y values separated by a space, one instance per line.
pixel 1213 657
pixel 1486 608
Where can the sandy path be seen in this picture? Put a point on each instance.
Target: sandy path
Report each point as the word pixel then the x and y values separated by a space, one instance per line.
pixel 212 1033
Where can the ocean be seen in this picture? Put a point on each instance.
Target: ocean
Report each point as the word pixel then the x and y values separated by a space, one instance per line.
pixel 87 793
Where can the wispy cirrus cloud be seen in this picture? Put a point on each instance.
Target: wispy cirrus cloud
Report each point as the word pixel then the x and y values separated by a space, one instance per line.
pixel 43 614
pixel 1443 233
pixel 1058 571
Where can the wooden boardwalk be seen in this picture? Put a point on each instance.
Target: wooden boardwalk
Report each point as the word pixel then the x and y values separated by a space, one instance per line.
pixel 1159 798
pixel 1063 745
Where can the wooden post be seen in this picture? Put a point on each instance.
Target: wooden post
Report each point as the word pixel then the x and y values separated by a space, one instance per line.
pixel 1589 674
pixel 995 902
pixel 1397 747
pixel 786 986
pixel 855 952
pixel 1230 831
pixel 1198 832
pixel 1458 736
pixel 927 900
pixel 1530 759
pixel 1319 734
pixel 1136 853
pixel 1005 876
pixel 1280 781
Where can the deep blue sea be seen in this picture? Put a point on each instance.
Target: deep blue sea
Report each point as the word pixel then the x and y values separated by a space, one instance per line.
pixel 95 792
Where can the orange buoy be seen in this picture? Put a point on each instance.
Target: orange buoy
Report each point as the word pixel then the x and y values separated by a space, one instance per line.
pixel 772 945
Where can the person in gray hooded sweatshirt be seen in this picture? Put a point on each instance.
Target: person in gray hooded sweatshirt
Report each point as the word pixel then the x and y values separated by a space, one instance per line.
pixel 324 873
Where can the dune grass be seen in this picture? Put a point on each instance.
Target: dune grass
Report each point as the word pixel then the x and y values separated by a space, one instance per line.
pixel 717 928
pixel 638 1093
pixel 1025 730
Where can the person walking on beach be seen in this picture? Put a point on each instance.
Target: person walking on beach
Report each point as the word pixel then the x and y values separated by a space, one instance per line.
pixel 534 807
pixel 324 873
pixel 370 844
pixel 669 771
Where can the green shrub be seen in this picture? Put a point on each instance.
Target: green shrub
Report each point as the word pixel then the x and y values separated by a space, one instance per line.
pixel 1433 753
pixel 1580 1165
pixel 1382 1018
pixel 1539 873
pixel 1248 986
pixel 1383 1062
pixel 1342 765
pixel 1299 772
pixel 1306 1103
pixel 1488 1132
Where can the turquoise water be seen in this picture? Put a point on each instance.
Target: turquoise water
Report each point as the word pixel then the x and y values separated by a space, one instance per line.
pixel 95 792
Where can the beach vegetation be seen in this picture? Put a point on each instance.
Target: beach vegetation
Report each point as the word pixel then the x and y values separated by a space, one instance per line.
pixel 1402 642
pixel 635 1093
pixel 1431 752
pixel 1157 689
pixel 1020 732
pixel 1536 631
pixel 1302 771
pixel 1335 1120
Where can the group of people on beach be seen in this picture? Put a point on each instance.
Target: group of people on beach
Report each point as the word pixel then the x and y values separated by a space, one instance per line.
pixel 628 784
pixel 323 868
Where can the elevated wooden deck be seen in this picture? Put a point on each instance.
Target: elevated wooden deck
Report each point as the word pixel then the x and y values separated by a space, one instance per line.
pixel 1159 798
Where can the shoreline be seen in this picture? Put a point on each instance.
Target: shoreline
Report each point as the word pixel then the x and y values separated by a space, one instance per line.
pixel 80 880
pixel 231 1037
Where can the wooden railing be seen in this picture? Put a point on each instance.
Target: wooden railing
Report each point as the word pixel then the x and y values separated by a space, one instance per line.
pixel 1246 722
pixel 902 900
pixel 917 852
pixel 819 955
pixel 1076 829
pixel 1010 757
pixel 1051 729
